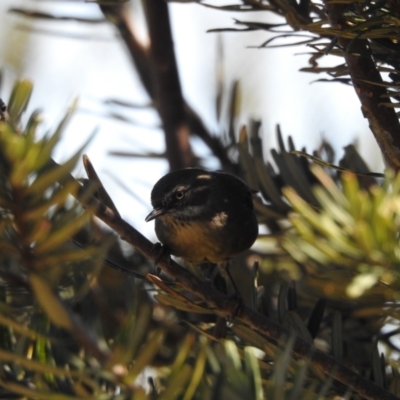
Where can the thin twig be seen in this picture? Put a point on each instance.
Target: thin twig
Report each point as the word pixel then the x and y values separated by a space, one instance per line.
pixel 168 93
pixel 119 16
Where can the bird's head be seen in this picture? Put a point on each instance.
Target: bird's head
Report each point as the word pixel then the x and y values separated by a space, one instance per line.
pixel 184 194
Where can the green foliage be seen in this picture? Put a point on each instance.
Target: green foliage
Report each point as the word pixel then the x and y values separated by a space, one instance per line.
pixel 59 338
pixel 353 232
pixel 337 236
pixel 72 328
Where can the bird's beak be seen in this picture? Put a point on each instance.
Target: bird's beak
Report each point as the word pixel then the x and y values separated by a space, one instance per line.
pixel 154 214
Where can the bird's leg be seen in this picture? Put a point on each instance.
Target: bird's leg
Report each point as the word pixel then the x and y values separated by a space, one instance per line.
pixel 161 251
pixel 224 267
pixel 236 295
pixel 208 270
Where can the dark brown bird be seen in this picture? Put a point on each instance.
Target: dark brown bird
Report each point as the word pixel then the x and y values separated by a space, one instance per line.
pixel 203 216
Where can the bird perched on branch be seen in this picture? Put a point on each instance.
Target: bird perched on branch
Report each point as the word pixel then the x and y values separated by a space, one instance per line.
pixel 203 216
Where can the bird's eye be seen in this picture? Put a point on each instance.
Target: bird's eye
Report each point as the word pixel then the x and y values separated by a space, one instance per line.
pixel 179 195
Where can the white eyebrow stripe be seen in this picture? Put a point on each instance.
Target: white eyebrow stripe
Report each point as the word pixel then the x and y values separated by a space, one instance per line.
pixel 205 176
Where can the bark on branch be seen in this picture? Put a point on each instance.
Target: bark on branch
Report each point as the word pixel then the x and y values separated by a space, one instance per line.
pixel 162 83
pixel 369 87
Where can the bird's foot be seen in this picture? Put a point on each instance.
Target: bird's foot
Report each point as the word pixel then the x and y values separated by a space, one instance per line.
pixel 160 252
pixel 237 302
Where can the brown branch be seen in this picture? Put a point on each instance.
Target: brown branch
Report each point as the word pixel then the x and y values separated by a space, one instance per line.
pixel 101 192
pixel 120 17
pixel 223 305
pixel 158 72
pixel 168 92
pixel 367 83
pixel 48 16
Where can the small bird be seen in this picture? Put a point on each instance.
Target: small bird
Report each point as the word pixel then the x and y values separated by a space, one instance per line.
pixel 203 216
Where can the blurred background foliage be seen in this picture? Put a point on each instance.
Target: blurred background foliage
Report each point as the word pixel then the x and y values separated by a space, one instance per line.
pixel 79 321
